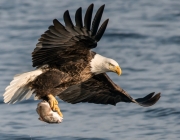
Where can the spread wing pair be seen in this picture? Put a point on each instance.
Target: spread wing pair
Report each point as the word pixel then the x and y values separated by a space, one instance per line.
pixel 61 44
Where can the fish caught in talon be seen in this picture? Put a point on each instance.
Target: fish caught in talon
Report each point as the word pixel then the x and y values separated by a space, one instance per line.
pixel 46 114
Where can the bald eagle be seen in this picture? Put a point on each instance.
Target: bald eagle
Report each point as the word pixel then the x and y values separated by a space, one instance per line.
pixel 66 67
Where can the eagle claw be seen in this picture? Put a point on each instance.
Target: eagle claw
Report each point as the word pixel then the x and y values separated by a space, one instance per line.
pixel 54 104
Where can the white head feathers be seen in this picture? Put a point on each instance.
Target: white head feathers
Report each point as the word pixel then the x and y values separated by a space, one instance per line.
pixel 100 64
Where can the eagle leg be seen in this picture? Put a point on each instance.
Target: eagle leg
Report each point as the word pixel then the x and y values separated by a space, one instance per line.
pixel 54 104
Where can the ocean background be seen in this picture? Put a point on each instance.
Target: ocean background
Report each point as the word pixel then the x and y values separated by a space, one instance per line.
pixel 142 36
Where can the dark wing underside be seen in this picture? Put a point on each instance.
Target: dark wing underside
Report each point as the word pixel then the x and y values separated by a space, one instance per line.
pixel 100 89
pixel 61 44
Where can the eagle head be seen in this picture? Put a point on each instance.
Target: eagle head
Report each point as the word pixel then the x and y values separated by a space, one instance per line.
pixel 100 64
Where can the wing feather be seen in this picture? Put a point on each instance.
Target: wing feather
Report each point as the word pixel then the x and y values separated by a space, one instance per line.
pixel 101 30
pixel 97 20
pixel 60 28
pixel 64 41
pixel 54 31
pixel 67 19
pixel 69 24
pixel 78 18
pixel 100 89
pixel 88 17
pixel 49 34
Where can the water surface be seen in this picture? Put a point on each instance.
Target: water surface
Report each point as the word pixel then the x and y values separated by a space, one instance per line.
pixel 142 36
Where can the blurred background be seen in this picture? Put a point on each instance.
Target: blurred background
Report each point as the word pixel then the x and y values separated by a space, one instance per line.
pixel 142 36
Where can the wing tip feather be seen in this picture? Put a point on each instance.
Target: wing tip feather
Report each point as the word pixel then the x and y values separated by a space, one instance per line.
pixel 148 100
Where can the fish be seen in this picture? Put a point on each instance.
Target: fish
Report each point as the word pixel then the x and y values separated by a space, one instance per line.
pixel 46 114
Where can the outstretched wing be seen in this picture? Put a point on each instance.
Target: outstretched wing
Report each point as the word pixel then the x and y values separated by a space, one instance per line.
pixel 61 44
pixel 100 89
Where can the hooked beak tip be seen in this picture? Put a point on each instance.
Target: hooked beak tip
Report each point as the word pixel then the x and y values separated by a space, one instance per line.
pixel 118 70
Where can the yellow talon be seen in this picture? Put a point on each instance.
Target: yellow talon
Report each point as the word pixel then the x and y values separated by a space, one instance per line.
pixel 54 104
pixel 57 109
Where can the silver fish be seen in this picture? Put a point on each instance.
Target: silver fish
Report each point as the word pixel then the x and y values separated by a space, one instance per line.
pixel 46 114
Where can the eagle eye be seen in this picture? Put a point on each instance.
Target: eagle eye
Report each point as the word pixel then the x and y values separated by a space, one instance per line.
pixel 111 64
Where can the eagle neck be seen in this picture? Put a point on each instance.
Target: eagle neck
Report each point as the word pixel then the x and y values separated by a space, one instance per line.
pixel 98 64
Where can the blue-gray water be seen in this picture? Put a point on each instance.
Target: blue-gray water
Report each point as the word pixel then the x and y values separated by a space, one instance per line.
pixel 142 36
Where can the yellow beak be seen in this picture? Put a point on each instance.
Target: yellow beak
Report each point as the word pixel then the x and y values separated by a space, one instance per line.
pixel 117 70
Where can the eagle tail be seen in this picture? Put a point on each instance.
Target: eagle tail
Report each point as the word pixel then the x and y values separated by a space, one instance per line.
pixel 20 88
pixel 148 100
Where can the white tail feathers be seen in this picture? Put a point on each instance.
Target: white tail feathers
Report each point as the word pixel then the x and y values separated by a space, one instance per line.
pixel 19 87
